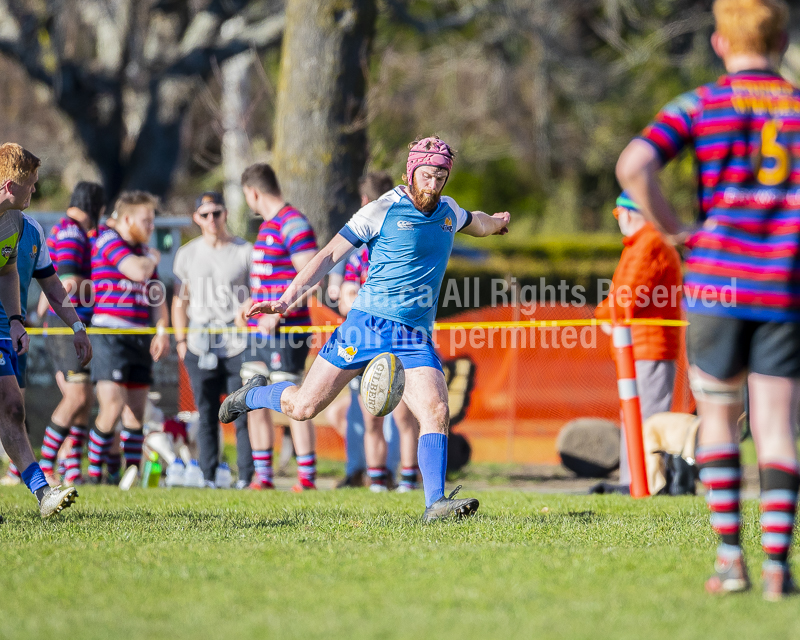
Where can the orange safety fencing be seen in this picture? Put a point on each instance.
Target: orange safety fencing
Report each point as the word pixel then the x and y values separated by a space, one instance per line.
pixel 529 382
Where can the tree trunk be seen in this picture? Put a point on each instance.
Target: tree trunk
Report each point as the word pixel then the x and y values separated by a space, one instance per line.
pixel 320 133
pixel 235 142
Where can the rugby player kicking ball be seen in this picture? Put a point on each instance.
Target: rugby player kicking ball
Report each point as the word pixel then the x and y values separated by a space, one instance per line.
pixel 409 232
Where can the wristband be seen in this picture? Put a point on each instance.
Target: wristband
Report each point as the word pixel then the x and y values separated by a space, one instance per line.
pixel 78 326
pixel 16 317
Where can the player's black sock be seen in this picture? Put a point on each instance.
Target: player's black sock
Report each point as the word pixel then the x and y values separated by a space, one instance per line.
pixel 779 485
pixel 720 471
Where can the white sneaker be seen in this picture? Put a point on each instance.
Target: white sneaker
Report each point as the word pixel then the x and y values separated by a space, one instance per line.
pixel 378 488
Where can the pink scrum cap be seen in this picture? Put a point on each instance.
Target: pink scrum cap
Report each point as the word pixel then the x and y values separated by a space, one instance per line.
pixel 431 152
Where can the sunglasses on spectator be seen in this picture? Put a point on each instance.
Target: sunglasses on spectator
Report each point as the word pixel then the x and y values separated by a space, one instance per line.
pixel 216 213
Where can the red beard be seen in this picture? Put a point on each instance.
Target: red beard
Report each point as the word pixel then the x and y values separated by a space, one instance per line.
pixel 424 200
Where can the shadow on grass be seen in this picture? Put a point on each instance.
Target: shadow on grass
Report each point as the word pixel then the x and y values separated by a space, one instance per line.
pixel 179 519
pixel 570 517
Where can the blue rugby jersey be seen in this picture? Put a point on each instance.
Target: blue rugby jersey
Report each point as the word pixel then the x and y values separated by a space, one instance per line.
pixel 33 261
pixel 409 250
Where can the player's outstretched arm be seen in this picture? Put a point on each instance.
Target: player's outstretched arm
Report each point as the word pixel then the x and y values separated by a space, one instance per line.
pixel 637 174
pixel 309 276
pixel 483 225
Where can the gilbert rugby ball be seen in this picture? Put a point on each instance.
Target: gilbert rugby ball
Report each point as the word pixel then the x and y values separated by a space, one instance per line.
pixel 382 384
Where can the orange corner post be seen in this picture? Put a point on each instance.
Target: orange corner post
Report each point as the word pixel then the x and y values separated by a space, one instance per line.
pixel 631 409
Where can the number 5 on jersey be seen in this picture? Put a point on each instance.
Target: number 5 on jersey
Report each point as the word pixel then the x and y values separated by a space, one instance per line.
pixel 778 170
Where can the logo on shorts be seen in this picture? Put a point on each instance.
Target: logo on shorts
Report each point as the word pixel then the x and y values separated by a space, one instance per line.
pixel 116 374
pixel 2 359
pixel 405 225
pixel 448 225
pixel 275 360
pixel 347 353
pixel 7 251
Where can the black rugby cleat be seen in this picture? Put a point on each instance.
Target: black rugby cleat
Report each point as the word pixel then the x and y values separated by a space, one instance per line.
pixel 234 405
pixel 445 507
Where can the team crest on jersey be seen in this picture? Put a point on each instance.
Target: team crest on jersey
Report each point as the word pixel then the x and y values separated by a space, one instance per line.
pixel 7 251
pixel 275 360
pixel 347 353
pixel 405 225
pixel 34 251
pixel 448 225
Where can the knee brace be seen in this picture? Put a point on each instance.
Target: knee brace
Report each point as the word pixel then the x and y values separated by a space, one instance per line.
pixel 714 390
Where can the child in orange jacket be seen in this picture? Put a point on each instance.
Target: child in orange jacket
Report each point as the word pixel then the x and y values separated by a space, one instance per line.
pixel 646 284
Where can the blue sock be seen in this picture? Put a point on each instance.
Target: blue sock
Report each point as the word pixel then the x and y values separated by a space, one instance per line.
pixel 268 397
pixel 34 478
pixel 432 456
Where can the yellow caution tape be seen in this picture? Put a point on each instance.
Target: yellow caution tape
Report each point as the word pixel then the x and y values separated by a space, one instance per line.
pixel 439 326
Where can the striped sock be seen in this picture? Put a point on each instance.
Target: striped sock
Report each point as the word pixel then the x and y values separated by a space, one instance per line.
pixel 132 442
pixel 12 470
pixel 307 470
pixel 721 473
pixel 378 476
pixel 262 461
pixel 409 477
pixel 779 485
pixel 53 439
pixel 99 445
pixel 72 465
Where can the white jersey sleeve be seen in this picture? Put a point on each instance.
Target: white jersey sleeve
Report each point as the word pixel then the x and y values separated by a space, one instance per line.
pixel 366 223
pixel 43 259
pixel 463 217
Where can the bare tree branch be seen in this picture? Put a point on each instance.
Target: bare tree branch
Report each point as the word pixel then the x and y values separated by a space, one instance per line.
pixel 461 18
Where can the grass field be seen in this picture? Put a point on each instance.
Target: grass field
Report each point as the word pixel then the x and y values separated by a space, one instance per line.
pixel 351 564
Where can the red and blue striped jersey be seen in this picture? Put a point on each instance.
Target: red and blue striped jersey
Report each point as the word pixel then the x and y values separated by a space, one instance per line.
pixel 355 270
pixel 279 238
pixel 116 297
pixel 71 251
pixel 745 131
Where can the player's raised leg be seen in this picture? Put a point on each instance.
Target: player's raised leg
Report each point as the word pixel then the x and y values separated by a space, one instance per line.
pixel 300 402
pixel 426 397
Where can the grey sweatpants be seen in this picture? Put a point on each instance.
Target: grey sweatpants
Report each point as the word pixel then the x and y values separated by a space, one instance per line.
pixel 655 380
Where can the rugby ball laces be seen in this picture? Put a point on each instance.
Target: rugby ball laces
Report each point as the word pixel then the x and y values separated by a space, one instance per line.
pixel 382 384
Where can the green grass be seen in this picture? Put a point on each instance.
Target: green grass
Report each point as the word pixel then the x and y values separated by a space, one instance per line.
pixel 351 564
